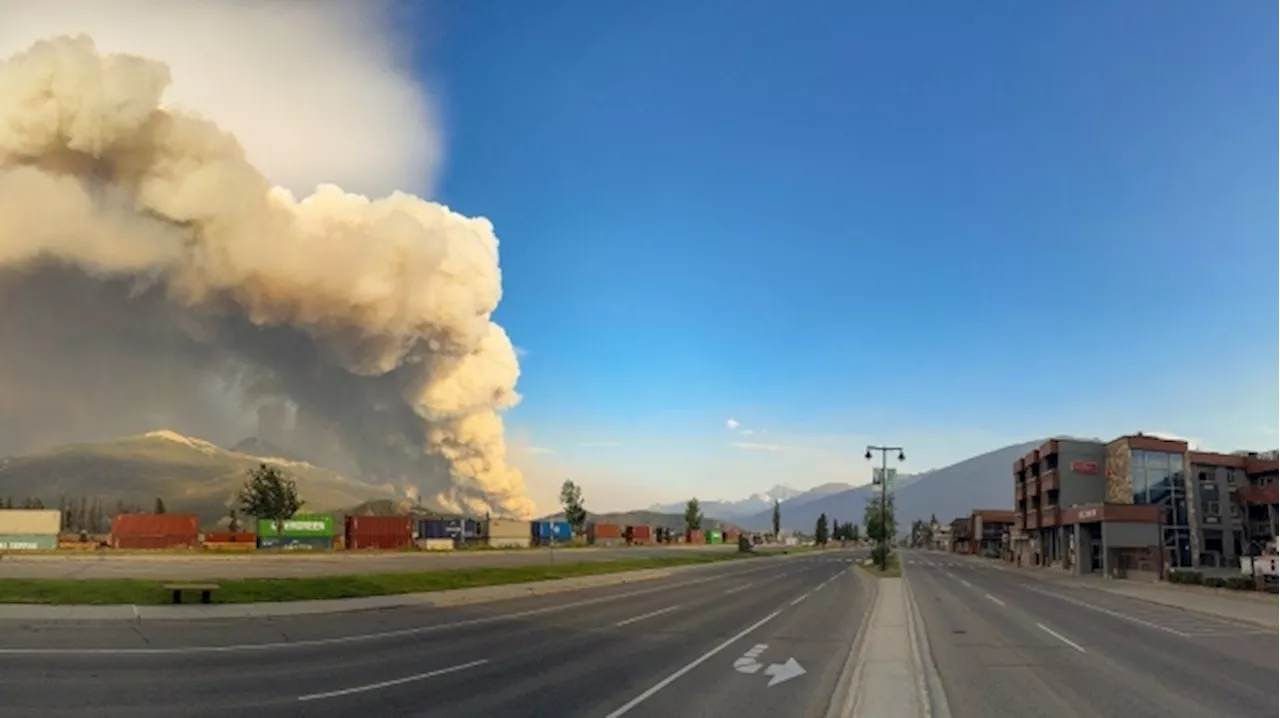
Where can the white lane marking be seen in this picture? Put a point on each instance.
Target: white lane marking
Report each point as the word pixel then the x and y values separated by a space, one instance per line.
pixel 650 614
pixel 690 666
pixel 780 575
pixel 1116 614
pixel 966 583
pixel 1060 637
pixel 743 587
pixel 800 598
pixel 396 682
pixel 995 600
pixel 820 586
pixel 359 638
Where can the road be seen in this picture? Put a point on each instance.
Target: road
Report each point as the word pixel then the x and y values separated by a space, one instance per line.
pixel 268 564
pixel 766 637
pixel 1011 644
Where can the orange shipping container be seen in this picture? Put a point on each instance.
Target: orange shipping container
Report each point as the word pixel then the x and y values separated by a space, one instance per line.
pixel 384 532
pixel 604 531
pixel 155 531
pixel 640 534
pixel 230 537
pixel 695 537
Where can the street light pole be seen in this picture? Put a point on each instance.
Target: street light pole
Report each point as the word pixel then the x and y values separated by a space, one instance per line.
pixel 884 488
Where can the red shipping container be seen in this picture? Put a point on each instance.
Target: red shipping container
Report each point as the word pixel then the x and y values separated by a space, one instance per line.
pixel 639 534
pixel 695 537
pixel 155 531
pixel 384 532
pixel 230 537
pixel 604 531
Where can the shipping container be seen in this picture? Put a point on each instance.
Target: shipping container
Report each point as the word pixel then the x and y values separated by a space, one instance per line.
pixel 301 525
pixel 27 522
pixel 230 545
pixel 464 528
pixel 435 544
pixel 297 543
pixel 432 529
pixel 230 537
pixel 639 534
pixel 604 531
pixel 380 532
pixel 714 536
pixel 561 532
pixel 507 528
pixel 28 542
pixel 155 531
pixel 695 537
pixel 508 541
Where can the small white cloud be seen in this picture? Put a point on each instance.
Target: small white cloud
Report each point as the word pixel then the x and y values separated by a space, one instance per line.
pixel 732 424
pixel 599 444
pixel 755 446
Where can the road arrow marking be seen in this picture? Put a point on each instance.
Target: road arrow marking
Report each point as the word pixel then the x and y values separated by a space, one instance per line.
pixel 784 671
pixel 748 663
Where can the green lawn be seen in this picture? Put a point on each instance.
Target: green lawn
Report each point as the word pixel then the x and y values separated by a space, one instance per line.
pixel 147 591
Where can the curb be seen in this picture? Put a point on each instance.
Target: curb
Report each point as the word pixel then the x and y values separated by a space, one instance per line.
pixel 845 699
pixel 933 696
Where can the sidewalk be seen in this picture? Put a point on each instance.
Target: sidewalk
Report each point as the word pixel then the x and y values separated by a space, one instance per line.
pixel 1258 608
pixel 1254 607
pixel 887 682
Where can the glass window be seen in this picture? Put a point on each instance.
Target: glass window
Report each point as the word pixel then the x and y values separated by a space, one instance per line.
pixel 1211 508
pixel 1175 462
pixel 1139 487
pixel 1135 460
pixel 1209 490
pixel 1157 460
pixel 1205 476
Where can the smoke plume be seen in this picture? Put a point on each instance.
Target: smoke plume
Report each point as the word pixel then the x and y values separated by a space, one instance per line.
pixel 149 272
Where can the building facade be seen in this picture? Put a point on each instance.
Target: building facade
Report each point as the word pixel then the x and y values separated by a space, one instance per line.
pixel 1139 504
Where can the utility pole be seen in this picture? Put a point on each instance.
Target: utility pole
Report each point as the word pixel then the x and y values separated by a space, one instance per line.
pixel 884 488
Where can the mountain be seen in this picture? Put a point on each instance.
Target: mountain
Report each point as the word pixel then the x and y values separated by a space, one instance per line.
pixel 984 481
pixel 735 509
pixel 254 446
pixel 673 521
pixel 191 475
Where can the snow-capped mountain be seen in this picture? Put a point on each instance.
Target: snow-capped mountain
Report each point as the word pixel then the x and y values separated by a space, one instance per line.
pixel 735 508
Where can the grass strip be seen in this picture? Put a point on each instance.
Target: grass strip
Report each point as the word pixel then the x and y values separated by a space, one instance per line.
pixel 251 590
pixel 892 570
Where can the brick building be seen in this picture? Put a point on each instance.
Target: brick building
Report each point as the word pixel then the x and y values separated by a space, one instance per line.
pixel 1139 504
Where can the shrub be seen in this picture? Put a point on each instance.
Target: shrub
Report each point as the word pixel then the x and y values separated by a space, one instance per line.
pixel 1240 583
pixel 1184 576
pixel 1215 582
pixel 878 554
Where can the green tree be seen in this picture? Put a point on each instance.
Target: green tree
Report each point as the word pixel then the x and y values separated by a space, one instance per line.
pixel 269 494
pixel 853 532
pixel 571 501
pixel 881 528
pixel 233 520
pixel 159 509
pixel 820 534
pixel 692 515
pixel 777 517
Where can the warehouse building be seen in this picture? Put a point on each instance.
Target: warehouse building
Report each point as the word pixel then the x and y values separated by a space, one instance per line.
pixel 1139 504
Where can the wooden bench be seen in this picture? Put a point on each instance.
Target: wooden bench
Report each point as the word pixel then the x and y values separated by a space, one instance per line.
pixel 206 590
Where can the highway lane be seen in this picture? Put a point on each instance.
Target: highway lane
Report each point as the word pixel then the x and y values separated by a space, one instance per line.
pixel 268 564
pixel 1009 644
pixel 672 642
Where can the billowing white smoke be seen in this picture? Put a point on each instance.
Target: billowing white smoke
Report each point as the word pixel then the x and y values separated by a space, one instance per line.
pixel 143 259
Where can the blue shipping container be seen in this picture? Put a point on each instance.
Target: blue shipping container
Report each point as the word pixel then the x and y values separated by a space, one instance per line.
pixel 432 529
pixel 541 529
pixel 561 531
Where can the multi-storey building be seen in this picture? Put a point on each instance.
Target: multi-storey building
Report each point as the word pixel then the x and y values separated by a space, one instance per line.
pixel 1140 503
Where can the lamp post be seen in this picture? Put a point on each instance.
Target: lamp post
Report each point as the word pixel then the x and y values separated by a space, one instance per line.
pixel 884 488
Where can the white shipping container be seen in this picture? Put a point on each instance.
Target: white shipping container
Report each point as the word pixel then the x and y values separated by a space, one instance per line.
pixel 435 544
pixel 509 529
pixel 30 521
pixel 510 542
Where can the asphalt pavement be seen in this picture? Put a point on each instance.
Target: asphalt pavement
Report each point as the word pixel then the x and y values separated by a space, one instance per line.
pixel 765 637
pixel 1009 644
pixel 271 564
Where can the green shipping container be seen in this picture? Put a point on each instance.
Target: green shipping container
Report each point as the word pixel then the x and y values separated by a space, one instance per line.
pixel 714 536
pixel 28 542
pixel 300 526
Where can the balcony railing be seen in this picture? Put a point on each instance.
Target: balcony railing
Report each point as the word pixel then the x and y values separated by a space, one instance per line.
pixel 1033 487
pixel 1049 481
pixel 1018 492
pixel 1033 520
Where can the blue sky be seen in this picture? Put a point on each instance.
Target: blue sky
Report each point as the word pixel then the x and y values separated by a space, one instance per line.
pixel 946 225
